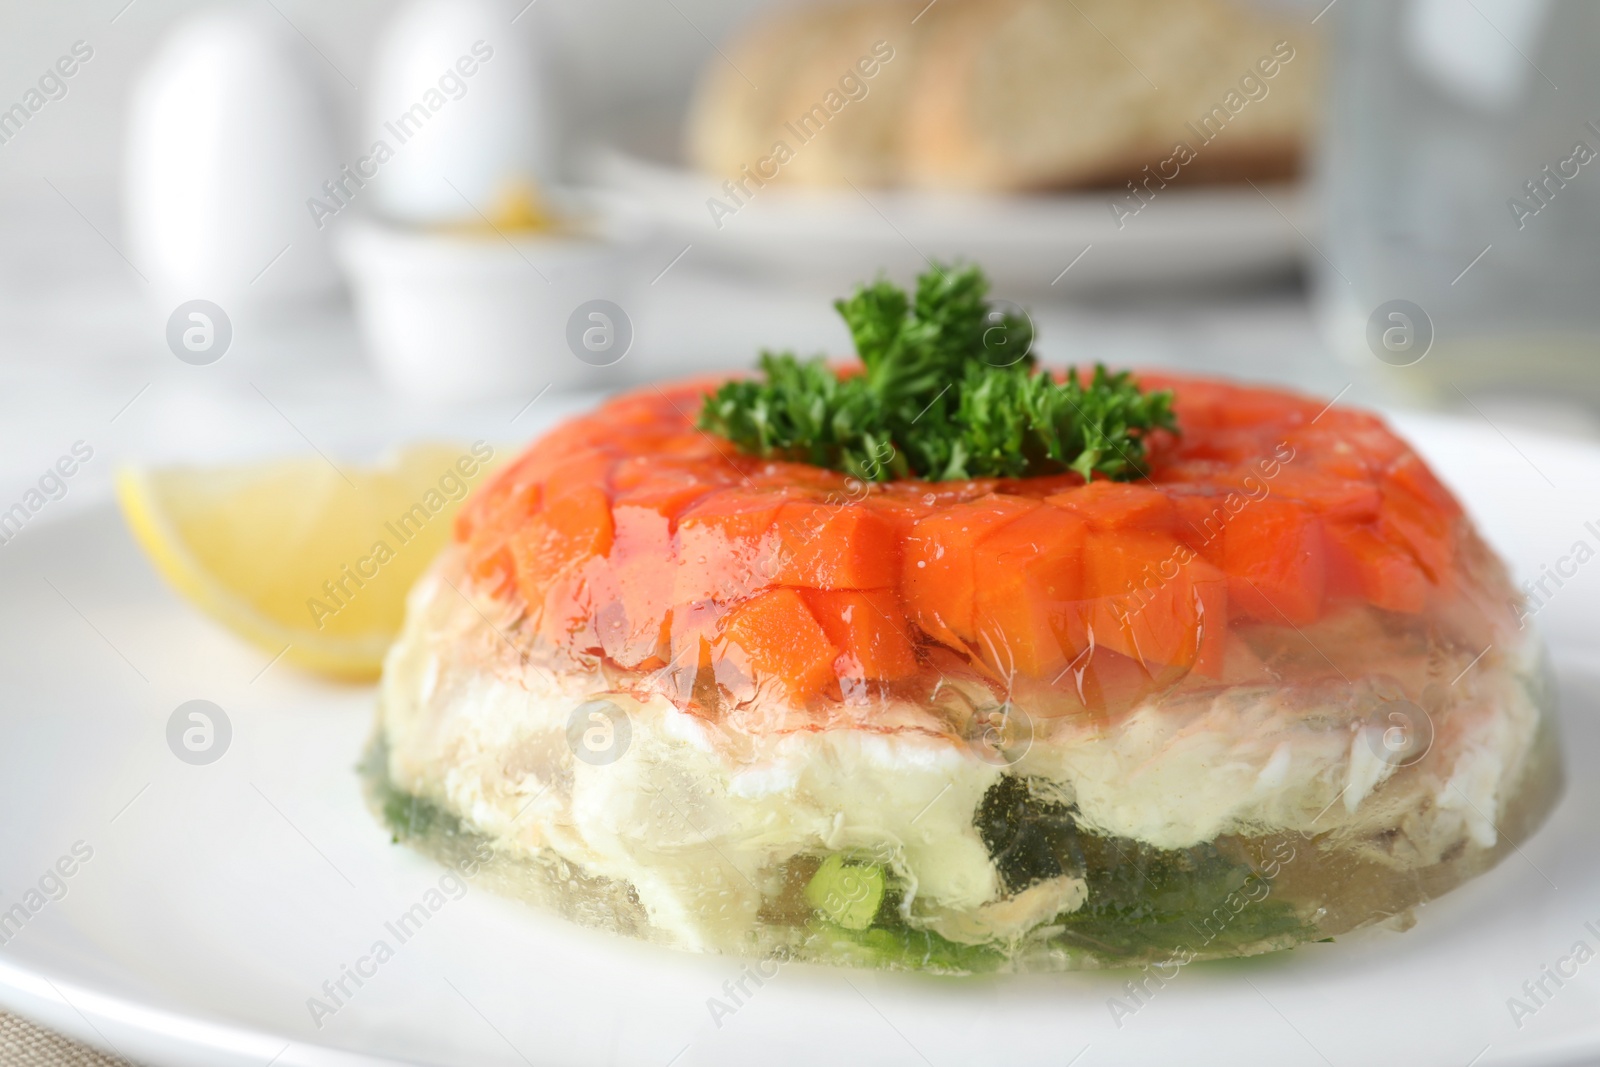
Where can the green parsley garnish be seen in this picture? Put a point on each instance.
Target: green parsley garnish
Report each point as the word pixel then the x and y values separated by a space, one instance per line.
pixel 949 389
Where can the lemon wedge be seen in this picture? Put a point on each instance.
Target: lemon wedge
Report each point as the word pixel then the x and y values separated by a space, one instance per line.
pixel 297 556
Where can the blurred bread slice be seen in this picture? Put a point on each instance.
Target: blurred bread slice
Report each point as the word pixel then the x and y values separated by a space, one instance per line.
pixel 863 142
pixel 796 60
pixel 1012 94
pixel 734 117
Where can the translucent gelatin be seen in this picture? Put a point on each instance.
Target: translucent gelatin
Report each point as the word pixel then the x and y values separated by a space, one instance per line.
pixel 1276 691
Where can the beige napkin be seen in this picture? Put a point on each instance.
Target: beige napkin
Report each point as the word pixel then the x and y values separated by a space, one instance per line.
pixel 23 1044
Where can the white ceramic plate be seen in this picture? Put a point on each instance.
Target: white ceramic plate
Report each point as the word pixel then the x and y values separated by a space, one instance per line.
pixel 1049 242
pixel 219 898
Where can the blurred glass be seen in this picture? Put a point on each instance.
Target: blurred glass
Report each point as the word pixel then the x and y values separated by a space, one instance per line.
pixel 1460 171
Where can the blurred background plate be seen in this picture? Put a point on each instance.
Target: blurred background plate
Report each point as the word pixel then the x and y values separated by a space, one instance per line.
pixel 1061 242
pixel 217 899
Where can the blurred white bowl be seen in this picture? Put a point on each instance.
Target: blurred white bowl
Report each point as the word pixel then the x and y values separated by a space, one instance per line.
pixel 454 316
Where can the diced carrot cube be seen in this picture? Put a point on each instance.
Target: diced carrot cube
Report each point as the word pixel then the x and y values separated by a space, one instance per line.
pixel 487 531
pixel 1422 525
pixel 648 481
pixel 582 472
pixel 1340 500
pixel 581 518
pixel 1203 518
pixel 1251 407
pixel 937 572
pixel 725 551
pixel 566 532
pixel 1117 572
pixel 799 475
pixel 1227 448
pixel 1275 563
pixel 1413 475
pixel 1368 436
pixel 737 513
pixel 869 629
pixel 1363 564
pixel 1028 589
pixel 823 546
pixel 1039 486
pixel 774 637
pixel 669 501
pixel 1119 506
pixel 498 506
pixel 1326 448
pixel 1150 594
pixel 900 514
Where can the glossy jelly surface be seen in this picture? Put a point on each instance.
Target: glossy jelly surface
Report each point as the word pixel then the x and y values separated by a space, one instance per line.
pixel 1276 691
pixel 636 542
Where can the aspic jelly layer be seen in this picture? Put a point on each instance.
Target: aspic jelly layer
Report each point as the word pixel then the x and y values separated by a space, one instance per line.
pixel 1273 691
pixel 1207 821
pixel 634 542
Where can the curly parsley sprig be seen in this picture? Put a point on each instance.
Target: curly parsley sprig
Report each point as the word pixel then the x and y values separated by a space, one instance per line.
pixel 948 389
